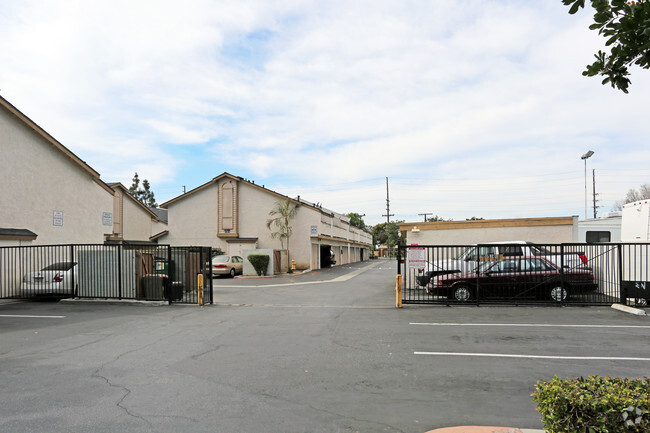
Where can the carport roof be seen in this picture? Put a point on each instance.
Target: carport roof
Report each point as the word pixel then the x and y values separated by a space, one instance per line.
pixel 17 234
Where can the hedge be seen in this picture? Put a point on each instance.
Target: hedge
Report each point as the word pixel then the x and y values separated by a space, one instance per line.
pixel 594 405
pixel 260 262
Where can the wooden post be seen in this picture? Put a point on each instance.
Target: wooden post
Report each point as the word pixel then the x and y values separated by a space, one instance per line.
pixel 199 282
pixel 398 291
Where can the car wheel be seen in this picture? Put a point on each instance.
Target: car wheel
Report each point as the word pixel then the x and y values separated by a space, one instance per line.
pixel 232 273
pixel 461 293
pixel 558 293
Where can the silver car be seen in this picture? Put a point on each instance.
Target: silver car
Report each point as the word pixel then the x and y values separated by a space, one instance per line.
pixel 227 265
pixel 54 279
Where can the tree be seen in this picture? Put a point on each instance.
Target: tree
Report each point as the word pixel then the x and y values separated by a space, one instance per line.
pixel 283 212
pixel 626 25
pixel 384 232
pixel 144 195
pixel 474 219
pixel 356 220
pixel 634 195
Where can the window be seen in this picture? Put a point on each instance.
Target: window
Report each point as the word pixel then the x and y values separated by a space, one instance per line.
pixel 594 237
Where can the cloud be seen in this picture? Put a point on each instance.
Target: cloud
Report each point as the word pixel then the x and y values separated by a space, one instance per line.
pixel 462 103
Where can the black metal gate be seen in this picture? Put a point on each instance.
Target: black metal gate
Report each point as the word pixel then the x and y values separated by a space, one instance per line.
pixel 121 271
pixel 525 273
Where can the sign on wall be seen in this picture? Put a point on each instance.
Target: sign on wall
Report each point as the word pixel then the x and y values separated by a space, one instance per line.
pixel 314 230
pixel 57 218
pixel 416 258
pixel 107 219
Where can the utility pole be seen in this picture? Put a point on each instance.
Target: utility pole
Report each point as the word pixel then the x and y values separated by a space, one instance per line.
pixel 425 215
pixel 388 215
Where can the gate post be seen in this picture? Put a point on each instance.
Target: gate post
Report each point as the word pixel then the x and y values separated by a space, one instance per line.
pixel 398 291
pixel 74 291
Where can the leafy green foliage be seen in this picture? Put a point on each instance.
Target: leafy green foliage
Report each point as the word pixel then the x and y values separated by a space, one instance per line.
pixel 385 232
pixel 282 213
pixel 626 26
pixel 260 262
pixel 356 220
pixel 144 195
pixel 594 405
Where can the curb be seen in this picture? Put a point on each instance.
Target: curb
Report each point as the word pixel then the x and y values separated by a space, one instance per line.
pixel 116 301
pixel 484 429
pixel 631 310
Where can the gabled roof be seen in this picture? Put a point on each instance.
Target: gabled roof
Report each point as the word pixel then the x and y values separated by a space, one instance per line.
pixel 54 142
pixel 118 185
pixel 247 182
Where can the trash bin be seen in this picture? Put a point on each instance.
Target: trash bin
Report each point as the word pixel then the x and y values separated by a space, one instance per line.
pixel 153 286
pixel 177 291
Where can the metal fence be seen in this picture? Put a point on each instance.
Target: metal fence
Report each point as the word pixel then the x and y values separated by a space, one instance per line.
pixel 144 272
pixel 525 273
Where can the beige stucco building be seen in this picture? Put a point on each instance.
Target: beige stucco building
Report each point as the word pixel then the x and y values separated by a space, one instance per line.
pixel 47 190
pixel 50 196
pixel 132 220
pixel 550 230
pixel 231 213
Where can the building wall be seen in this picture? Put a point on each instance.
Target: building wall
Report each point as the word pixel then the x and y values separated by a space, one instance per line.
pixel 204 218
pixel 38 179
pixel 538 230
pixel 138 223
pixel 193 220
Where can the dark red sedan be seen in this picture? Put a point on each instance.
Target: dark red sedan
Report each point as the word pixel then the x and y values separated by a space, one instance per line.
pixel 514 278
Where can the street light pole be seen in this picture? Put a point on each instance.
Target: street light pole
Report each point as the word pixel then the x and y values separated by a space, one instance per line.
pixel 585 157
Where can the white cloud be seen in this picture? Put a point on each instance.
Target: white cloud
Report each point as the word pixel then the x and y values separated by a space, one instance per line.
pixel 446 92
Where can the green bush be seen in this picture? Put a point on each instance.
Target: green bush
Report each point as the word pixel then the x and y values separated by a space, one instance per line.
pixel 260 262
pixel 594 405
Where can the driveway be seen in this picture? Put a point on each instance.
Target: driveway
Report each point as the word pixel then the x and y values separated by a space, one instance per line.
pixel 312 353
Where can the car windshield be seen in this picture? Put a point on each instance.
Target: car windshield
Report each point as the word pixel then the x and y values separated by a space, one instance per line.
pixel 221 259
pixel 60 266
pixel 538 250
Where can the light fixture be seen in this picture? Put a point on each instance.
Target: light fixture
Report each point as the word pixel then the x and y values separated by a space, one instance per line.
pixel 585 157
pixel 415 229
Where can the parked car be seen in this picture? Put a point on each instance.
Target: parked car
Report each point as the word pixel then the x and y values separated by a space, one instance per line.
pixel 515 277
pixel 54 279
pixel 330 259
pixel 227 265
pixel 473 256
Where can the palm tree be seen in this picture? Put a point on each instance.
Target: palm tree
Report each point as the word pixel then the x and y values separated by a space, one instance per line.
pixel 283 212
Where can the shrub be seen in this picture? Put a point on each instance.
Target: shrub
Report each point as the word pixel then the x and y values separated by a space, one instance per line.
pixel 260 262
pixel 594 405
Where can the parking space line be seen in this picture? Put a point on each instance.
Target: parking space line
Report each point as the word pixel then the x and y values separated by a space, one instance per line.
pixel 530 325
pixel 504 355
pixel 27 316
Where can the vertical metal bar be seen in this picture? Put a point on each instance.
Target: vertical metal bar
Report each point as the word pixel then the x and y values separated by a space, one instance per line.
pixel 72 274
pixel 622 289
pixel 119 270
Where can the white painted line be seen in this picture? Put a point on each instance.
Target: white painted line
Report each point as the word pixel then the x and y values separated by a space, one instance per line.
pixel 529 325
pixel 26 316
pixel 503 355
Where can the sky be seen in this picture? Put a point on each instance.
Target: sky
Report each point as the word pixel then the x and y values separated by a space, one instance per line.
pixel 469 108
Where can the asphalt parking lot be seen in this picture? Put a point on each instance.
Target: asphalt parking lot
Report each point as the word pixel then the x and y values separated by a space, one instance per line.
pixel 324 352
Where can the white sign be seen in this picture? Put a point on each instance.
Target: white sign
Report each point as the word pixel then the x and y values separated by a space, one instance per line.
pixel 57 218
pixel 416 258
pixel 107 218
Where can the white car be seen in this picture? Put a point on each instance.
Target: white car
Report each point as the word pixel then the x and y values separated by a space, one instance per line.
pixel 54 279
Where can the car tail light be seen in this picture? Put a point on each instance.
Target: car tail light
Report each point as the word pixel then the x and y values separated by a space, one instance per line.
pixel 57 278
pixel 583 258
pixel 220 266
